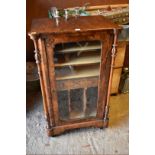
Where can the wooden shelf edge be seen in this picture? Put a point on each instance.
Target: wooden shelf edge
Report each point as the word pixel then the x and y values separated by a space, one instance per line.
pixel 82 73
pixel 81 61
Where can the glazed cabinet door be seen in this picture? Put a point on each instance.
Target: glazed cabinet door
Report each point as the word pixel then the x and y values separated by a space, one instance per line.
pixel 78 72
pixel 77 66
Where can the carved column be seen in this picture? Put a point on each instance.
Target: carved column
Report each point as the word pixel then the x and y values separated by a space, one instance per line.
pixel 37 57
pixel 50 44
pixel 113 54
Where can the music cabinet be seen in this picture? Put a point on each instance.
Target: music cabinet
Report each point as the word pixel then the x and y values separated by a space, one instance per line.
pixel 75 63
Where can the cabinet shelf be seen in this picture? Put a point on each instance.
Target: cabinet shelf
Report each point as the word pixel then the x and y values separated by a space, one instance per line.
pixel 76 48
pixel 80 72
pixel 81 60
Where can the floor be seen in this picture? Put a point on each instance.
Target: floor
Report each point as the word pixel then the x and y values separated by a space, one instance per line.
pixel 113 140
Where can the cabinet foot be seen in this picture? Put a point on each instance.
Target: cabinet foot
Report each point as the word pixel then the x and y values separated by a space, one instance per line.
pixel 106 122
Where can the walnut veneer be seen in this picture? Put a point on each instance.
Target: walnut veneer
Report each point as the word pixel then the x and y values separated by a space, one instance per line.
pixel 46 35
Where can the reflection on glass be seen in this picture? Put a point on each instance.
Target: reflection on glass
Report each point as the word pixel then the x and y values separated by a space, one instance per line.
pixel 77 71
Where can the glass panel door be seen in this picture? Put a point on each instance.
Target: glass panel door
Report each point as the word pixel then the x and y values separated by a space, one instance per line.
pixel 77 67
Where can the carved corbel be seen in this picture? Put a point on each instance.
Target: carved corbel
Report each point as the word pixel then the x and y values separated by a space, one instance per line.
pixel 49 41
pixel 37 55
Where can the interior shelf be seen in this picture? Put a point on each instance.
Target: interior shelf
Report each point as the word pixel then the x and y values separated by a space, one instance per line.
pixel 79 72
pixel 77 67
pixel 89 58
pixel 81 48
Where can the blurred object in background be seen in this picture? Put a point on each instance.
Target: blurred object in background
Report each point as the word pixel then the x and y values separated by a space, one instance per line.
pixel 124 83
pixel 124 33
pixel 32 77
pixel 32 83
pixel 126 60
pixel 118 67
pixel 117 13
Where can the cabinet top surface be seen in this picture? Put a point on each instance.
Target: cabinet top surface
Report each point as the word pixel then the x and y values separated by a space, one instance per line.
pixel 72 25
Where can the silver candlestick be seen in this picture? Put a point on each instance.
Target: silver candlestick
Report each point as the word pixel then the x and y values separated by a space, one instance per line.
pixel 57 17
pixel 76 12
pixel 55 14
pixel 66 14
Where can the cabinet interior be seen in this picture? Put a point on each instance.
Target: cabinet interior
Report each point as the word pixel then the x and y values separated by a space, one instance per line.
pixel 77 67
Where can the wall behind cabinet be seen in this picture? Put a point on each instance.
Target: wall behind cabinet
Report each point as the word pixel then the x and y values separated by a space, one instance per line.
pixel 39 8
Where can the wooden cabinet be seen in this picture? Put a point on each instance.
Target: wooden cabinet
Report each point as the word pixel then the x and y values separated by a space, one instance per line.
pixel 118 65
pixel 75 63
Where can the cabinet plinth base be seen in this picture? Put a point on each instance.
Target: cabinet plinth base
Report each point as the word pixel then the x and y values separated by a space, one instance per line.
pixel 57 130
